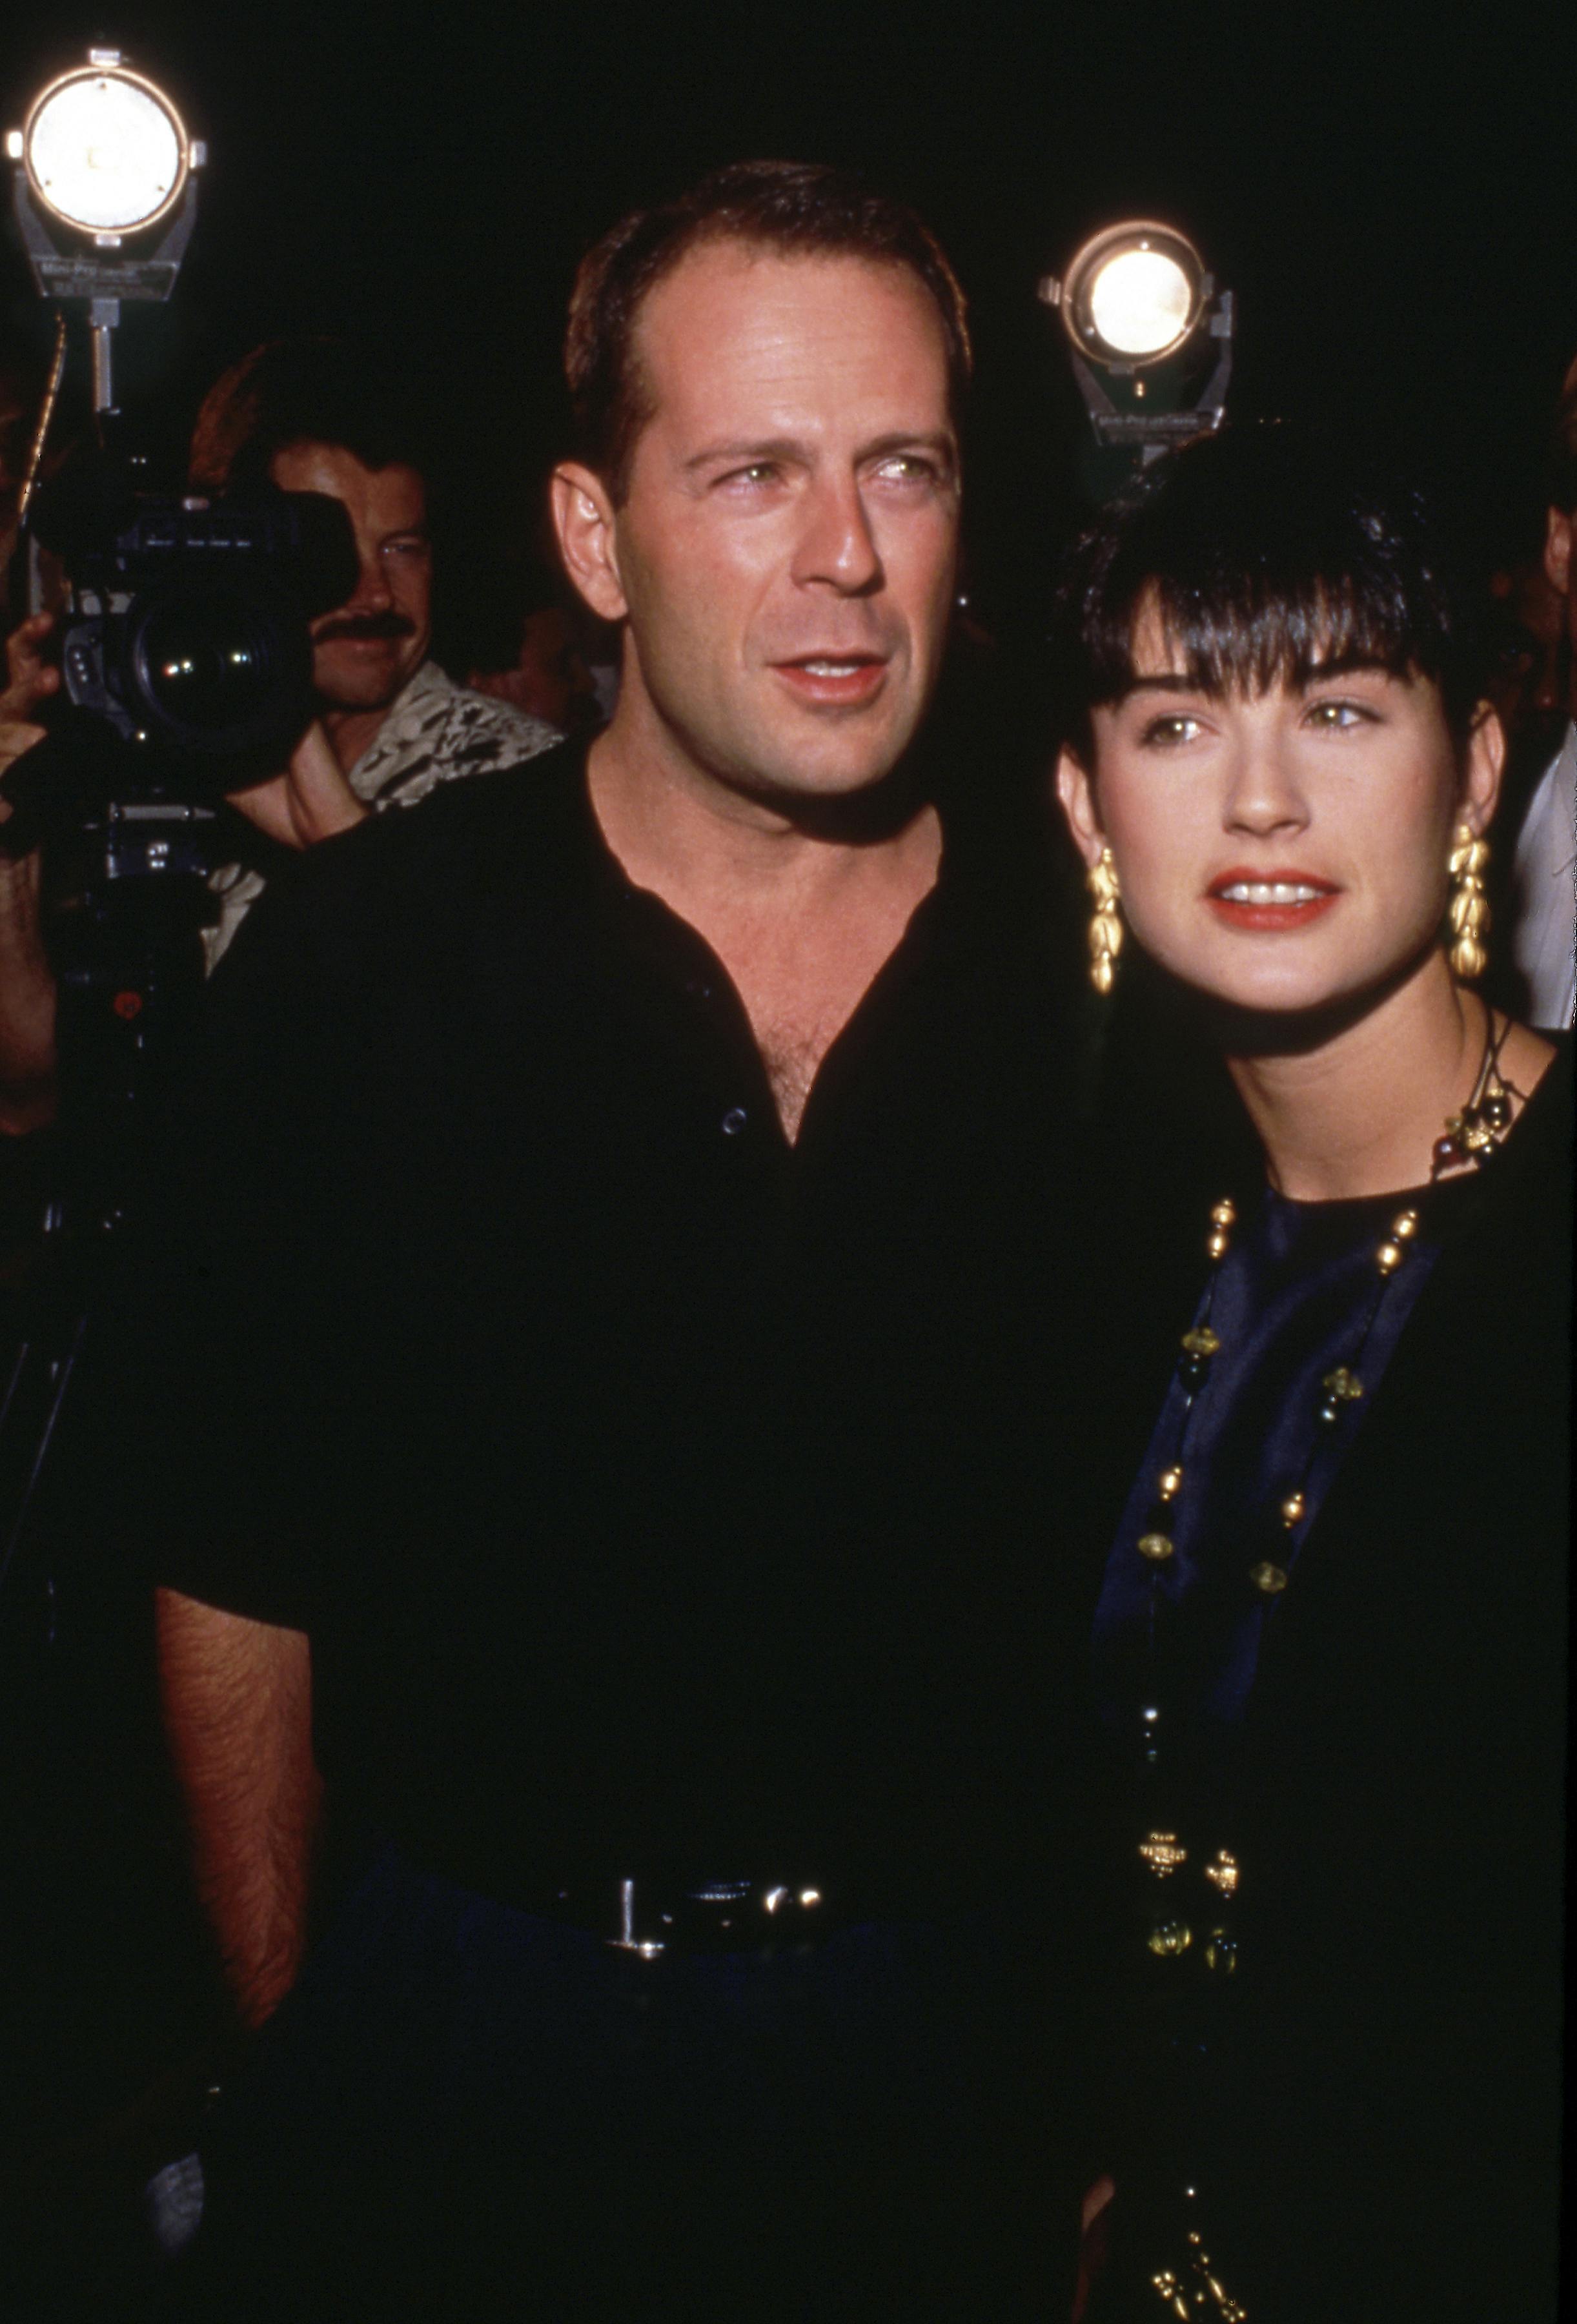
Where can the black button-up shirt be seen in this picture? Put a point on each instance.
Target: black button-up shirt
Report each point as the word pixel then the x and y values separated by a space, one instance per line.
pixel 633 1471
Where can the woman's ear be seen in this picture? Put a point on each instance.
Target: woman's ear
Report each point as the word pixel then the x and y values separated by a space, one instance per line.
pixel 1077 795
pixel 1484 759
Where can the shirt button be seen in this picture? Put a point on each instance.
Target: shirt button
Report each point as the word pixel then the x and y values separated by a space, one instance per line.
pixel 734 1121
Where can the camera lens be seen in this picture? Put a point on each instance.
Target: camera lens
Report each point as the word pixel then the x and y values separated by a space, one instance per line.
pixel 221 671
pixel 207 665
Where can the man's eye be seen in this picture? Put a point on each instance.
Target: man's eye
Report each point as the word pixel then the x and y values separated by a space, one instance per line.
pixel 756 472
pixel 908 468
pixel 408 544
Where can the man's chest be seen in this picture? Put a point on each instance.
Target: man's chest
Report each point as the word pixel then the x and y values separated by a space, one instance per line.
pixel 595 1122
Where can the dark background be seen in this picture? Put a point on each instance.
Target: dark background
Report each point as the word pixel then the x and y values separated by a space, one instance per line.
pixel 1392 193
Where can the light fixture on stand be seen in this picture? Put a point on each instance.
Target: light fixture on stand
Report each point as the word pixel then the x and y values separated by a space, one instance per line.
pixel 105 196
pixel 1143 319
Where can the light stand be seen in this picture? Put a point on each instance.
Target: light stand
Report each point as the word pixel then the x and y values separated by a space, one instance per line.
pixel 105 200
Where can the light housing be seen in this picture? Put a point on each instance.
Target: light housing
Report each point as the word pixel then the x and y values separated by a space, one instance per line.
pixel 1134 295
pixel 105 150
pixel 104 155
pixel 1142 316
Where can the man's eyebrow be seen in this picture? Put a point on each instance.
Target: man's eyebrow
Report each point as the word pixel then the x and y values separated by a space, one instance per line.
pixel 938 442
pixel 759 448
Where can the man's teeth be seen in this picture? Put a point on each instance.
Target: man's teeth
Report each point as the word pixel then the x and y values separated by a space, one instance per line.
pixel 1270 891
pixel 832 668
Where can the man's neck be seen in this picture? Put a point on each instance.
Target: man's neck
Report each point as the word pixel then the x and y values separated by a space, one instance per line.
pixel 1359 1111
pixel 351 732
pixel 803 910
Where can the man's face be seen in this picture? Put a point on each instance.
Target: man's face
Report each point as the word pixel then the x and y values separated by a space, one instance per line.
pixel 1561 570
pixel 365 651
pixel 786 552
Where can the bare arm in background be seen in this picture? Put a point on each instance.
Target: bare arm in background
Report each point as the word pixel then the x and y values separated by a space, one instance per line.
pixel 237 1697
pixel 27 982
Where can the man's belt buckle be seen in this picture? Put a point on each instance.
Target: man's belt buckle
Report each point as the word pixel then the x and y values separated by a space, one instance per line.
pixel 739 1911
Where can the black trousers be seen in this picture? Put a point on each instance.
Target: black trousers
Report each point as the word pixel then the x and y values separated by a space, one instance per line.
pixel 467 2112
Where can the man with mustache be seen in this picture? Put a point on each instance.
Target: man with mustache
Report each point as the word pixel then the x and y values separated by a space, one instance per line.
pixel 303 415
pixel 588 1298
pixel 313 416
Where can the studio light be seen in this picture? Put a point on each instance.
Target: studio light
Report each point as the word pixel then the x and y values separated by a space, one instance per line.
pixel 105 196
pixel 105 151
pixel 1141 314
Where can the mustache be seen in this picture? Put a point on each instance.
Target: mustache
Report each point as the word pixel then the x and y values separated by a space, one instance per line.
pixel 390 624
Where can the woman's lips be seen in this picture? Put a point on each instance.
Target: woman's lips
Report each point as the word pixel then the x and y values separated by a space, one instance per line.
pixel 834 681
pixel 1269 901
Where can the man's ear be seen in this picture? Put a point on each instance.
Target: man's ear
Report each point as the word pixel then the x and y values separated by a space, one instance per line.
pixel 1486 756
pixel 584 521
pixel 1077 794
pixel 1558 552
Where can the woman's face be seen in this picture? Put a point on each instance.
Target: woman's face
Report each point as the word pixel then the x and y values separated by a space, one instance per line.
pixel 1285 851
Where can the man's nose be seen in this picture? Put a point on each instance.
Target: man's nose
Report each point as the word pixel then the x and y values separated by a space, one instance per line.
pixel 837 545
pixel 1264 793
pixel 372 593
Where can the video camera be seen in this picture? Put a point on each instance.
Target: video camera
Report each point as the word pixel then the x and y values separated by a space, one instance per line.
pixel 185 651
pixel 186 656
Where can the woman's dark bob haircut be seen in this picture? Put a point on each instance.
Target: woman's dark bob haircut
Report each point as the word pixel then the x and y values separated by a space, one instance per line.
pixel 1269 553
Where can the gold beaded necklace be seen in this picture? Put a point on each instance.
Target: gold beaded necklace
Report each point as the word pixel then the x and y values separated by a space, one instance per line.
pixel 1468 1140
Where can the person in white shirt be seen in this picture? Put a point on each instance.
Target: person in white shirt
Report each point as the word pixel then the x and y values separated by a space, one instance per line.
pixel 1543 931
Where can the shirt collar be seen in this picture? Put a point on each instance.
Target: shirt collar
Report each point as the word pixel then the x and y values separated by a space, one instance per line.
pixel 1564 807
pixel 402 717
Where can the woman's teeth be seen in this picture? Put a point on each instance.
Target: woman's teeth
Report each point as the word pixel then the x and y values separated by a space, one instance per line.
pixel 1270 891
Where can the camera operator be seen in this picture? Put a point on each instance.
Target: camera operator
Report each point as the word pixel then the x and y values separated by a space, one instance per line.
pixel 305 415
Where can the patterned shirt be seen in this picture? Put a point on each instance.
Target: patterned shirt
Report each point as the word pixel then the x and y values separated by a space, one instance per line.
pixel 1545 932
pixel 434 732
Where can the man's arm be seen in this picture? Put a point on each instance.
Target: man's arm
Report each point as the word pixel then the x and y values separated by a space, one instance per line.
pixel 27 988
pixel 310 801
pixel 27 982
pixel 237 1697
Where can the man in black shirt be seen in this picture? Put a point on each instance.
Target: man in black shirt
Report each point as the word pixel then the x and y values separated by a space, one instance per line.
pixel 597 1233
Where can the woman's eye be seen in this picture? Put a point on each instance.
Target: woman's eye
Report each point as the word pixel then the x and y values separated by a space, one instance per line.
pixel 1167 733
pixel 1339 716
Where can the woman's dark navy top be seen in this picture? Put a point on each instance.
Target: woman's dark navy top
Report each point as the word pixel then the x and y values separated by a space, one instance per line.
pixel 1290 1302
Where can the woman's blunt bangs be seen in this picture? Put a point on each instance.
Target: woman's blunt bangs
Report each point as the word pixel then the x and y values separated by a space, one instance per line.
pixel 1265 555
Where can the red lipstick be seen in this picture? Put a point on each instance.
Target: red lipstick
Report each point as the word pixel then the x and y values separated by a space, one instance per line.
pixel 1268 901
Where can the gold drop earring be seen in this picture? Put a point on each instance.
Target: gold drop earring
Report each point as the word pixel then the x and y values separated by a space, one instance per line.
pixel 1469 907
pixel 1105 925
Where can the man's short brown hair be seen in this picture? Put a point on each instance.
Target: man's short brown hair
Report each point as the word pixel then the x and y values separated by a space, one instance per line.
pixel 796 209
pixel 306 391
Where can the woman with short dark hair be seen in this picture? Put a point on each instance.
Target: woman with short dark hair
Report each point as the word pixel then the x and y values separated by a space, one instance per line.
pixel 1328 1647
